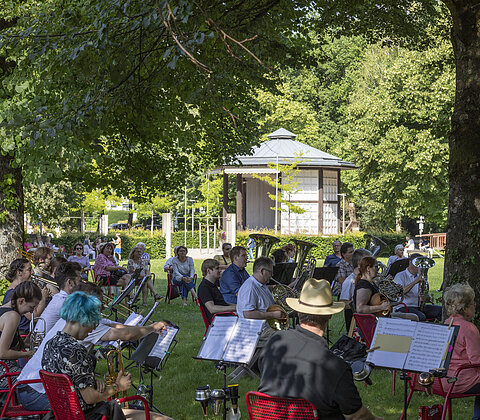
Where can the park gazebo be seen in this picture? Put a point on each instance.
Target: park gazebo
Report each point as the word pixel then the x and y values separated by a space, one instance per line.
pixel 317 191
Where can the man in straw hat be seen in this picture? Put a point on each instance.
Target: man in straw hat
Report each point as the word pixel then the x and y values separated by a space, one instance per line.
pixel 297 362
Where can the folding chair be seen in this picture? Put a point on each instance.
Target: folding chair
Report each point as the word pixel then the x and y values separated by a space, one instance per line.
pixel 11 407
pixel 64 400
pixel 205 318
pixel 264 407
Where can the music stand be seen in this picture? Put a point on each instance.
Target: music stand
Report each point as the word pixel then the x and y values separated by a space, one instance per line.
pixel 397 267
pixel 283 272
pixel 125 292
pixel 326 273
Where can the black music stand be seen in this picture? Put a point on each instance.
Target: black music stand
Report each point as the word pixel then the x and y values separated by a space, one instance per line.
pixel 125 292
pixel 326 273
pixel 397 267
pixel 283 272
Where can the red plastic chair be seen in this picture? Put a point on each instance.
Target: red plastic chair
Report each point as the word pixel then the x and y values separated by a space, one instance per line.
pixel 11 407
pixel 64 400
pixel 205 318
pixel 438 389
pixel 170 284
pixel 264 407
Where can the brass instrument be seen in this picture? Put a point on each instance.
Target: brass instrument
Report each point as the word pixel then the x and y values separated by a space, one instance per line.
pixel 278 324
pixel 280 293
pixel 426 380
pixel 301 253
pixel 374 244
pixel 263 244
pixel 423 264
pixel 41 281
pixel 388 291
pixel 26 254
pixel 36 334
pixel 308 271
pixel 111 376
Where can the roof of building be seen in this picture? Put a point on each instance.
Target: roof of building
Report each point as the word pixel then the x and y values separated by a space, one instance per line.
pixel 281 144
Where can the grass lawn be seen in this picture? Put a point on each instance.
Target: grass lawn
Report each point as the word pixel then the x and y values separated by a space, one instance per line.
pixel 175 387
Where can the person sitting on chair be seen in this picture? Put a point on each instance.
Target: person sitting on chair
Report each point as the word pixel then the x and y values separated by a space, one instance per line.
pixel 81 259
pixel 425 246
pixel 107 269
pixel 209 296
pixel 460 307
pixel 32 396
pixel 297 363
pixel 65 354
pixel 183 273
pixel 409 280
pixel 333 259
pixel 399 250
pixel 409 246
pixel 290 250
pixel 224 259
pixel 280 256
pixel 145 255
pixel 135 262
pixel 235 274
pixel 345 267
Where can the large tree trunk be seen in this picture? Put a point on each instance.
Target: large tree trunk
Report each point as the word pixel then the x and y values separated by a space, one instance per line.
pixel 462 261
pixel 11 213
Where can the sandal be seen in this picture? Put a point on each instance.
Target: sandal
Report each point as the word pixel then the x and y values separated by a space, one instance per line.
pixel 158 297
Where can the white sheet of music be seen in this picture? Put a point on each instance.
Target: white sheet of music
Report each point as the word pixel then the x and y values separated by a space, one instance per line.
pixel 163 343
pixel 132 320
pixel 394 337
pixel 244 340
pixel 429 347
pixel 218 335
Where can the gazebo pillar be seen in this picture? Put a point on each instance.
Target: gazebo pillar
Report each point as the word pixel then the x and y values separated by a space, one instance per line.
pixel 225 200
pixel 240 203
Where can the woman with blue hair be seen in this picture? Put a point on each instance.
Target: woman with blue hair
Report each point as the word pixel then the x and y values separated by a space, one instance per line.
pixel 65 354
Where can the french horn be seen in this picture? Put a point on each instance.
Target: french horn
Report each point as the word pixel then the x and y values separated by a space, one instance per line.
pixel 278 324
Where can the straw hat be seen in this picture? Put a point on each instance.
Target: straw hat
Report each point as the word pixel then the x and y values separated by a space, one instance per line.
pixel 316 299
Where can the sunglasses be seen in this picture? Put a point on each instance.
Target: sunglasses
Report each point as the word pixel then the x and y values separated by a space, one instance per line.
pixel 78 249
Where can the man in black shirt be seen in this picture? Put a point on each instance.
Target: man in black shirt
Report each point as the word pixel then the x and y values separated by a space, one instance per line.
pixel 297 363
pixel 210 297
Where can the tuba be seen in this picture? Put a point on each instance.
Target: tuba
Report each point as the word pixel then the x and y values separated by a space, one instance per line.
pixel 301 253
pixel 423 264
pixel 263 244
pixel 374 244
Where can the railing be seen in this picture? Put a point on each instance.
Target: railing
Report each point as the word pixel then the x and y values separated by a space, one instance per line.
pixel 437 240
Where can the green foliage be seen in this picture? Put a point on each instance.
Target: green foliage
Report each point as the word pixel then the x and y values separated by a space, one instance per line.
pixel 9 196
pixel 116 216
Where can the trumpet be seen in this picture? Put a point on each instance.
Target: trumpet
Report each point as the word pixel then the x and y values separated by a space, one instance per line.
pixel 111 377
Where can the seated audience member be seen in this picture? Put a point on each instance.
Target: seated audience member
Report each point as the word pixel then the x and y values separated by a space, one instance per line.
pixel 107 269
pixel 135 262
pixel 290 250
pixel 65 354
pixel 399 250
pixel 49 244
pixel 81 259
pixel 365 289
pixel 235 274
pixel 348 286
pixel 169 263
pixel 25 297
pixel 254 297
pixel 32 396
pixel 460 307
pixel 345 267
pixel 98 244
pixel 409 279
pixel 88 248
pixel 20 271
pixel 333 259
pixel 183 273
pixel 425 246
pixel 38 242
pixel 409 246
pixel 67 278
pixel 279 256
pixel 208 294
pixel 224 259
pixel 297 363
pixel 145 255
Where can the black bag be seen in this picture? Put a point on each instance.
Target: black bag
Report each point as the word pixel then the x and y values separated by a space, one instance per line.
pixel 173 292
pixel 349 349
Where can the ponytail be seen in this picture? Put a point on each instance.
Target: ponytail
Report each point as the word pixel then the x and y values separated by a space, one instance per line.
pixel 27 290
pixel 15 267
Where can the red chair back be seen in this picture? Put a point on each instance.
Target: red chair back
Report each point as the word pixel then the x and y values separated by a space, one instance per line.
pixel 264 407
pixel 366 323
pixel 11 408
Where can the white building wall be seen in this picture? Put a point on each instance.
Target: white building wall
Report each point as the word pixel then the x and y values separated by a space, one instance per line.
pixel 330 210
pixel 259 214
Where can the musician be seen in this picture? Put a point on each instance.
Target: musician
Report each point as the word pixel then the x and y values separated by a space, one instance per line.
pixel 38 242
pixel 254 297
pixel 290 250
pixel 25 298
pixel 42 258
pixel 399 250
pixel 280 256
pixel 460 307
pixel 234 275
pixel 348 286
pixel 409 279
pixel 64 354
pixel 297 363
pixel 208 294
pixel 81 259
pixel 135 262
pixel 54 264
pixel 67 277
pixel 183 273
pixel 345 267
pixel 365 289
pixel 333 259
pixel 32 396
pixel 20 271
pixel 224 259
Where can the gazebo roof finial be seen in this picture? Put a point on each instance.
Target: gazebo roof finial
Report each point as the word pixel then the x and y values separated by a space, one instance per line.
pixel 281 133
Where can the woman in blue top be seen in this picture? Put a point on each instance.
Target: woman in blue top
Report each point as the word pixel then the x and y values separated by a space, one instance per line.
pixel 183 273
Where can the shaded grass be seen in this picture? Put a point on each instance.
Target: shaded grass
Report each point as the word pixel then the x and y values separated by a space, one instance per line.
pixel 175 388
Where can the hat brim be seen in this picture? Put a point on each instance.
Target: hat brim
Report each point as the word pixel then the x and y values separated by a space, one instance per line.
pixel 334 308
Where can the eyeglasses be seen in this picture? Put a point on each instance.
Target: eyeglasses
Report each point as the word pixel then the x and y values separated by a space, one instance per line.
pixel 78 249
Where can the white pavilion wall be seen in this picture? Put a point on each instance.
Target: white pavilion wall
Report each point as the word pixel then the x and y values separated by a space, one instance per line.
pixel 258 212
pixel 306 197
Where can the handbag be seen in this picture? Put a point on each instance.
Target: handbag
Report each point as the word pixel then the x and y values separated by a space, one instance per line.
pixel 173 293
pixel 348 349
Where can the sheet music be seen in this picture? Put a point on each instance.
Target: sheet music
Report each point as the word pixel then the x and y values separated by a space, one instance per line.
pixel 394 337
pixel 244 340
pixel 163 343
pixel 429 347
pixel 218 335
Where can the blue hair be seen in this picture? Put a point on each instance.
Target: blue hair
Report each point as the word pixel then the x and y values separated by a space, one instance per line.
pixel 82 308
